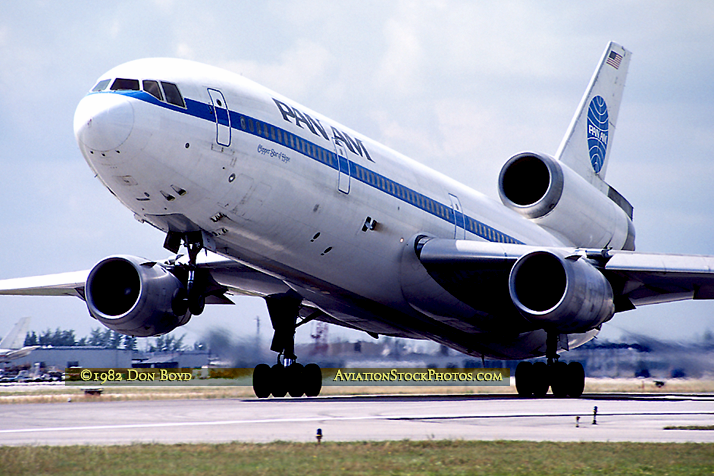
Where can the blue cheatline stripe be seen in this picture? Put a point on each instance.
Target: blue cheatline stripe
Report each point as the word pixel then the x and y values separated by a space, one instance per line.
pixel 269 132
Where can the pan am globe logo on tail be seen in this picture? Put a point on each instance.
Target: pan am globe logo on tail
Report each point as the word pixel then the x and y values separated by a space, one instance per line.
pixel 597 132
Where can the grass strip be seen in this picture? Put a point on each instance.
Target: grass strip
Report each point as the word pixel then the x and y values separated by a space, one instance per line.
pixel 436 457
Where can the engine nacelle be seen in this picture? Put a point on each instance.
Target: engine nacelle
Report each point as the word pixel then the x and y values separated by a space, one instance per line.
pixel 135 297
pixel 555 197
pixel 563 294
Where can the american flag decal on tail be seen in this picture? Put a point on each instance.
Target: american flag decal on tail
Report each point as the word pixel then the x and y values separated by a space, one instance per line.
pixel 614 59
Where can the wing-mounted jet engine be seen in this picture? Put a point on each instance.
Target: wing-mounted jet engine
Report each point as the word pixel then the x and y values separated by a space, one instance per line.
pixel 136 297
pixel 552 195
pixel 563 294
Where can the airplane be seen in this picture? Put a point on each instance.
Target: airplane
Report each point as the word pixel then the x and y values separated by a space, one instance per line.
pixel 12 345
pixel 326 224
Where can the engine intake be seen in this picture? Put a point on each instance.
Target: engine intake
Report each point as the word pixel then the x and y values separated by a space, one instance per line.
pixel 564 294
pixel 135 297
pixel 555 197
pixel 532 185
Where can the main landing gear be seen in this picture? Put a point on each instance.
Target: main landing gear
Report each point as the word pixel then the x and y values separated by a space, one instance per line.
pixel 565 380
pixel 286 376
pixel 281 379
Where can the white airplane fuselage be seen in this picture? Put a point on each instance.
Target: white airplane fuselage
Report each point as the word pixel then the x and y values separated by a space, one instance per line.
pixel 287 191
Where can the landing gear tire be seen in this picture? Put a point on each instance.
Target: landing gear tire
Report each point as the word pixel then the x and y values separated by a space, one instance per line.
pixel 295 380
pixel 576 379
pixel 524 379
pixel 278 382
pixel 261 381
pixel 312 376
pixel 196 304
pixel 559 379
pixel 541 380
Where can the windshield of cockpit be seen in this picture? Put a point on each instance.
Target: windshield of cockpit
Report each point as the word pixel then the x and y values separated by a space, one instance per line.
pixel 161 90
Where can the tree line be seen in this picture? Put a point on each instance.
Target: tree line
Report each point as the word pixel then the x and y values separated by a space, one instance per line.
pixel 107 339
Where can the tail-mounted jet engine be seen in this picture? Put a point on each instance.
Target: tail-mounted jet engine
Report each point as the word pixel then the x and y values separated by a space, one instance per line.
pixel 136 297
pixel 563 294
pixel 552 195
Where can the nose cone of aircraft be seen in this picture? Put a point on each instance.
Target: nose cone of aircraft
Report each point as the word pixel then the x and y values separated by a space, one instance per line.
pixel 103 121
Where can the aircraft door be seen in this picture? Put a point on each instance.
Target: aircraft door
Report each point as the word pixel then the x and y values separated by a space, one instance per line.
pixel 222 116
pixel 459 220
pixel 343 167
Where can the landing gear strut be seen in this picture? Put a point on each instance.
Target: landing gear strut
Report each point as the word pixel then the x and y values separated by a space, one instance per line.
pixel 196 299
pixel 193 298
pixel 565 380
pixel 287 375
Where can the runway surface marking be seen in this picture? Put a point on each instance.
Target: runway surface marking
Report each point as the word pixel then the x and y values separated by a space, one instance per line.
pixel 337 419
pixel 619 418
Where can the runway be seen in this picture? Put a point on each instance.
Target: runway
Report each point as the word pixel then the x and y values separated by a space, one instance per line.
pixel 479 417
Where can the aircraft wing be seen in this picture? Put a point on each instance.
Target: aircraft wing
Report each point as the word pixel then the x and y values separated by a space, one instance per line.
pixel 637 278
pixel 226 276
pixel 63 284
pixel 649 278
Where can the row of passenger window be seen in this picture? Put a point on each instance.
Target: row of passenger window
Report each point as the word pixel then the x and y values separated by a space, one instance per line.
pixel 400 191
pixel 294 142
pixel 428 204
pixel 487 232
pixel 320 154
pixel 158 89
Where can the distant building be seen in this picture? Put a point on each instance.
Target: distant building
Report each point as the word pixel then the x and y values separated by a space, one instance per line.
pixel 76 356
pixel 61 357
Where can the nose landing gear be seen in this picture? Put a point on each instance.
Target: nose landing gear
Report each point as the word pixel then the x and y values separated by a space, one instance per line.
pixel 193 298
pixel 196 299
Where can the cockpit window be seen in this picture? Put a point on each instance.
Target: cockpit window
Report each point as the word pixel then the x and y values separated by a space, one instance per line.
pixel 152 87
pixel 101 85
pixel 173 95
pixel 161 90
pixel 125 84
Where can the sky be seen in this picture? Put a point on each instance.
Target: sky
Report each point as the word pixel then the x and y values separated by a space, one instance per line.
pixel 460 86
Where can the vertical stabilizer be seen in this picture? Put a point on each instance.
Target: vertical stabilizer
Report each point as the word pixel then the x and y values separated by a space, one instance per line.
pixel 587 144
pixel 15 339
